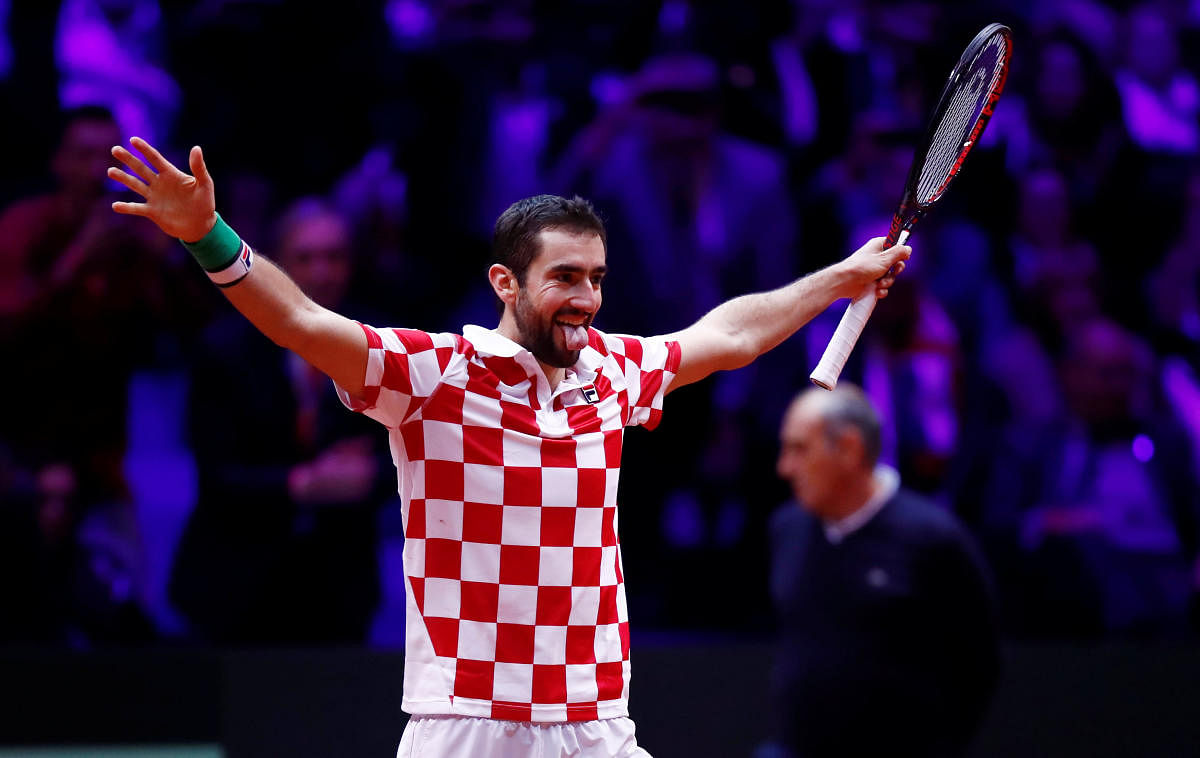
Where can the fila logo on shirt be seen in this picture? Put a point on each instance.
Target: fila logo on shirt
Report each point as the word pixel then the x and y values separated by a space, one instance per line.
pixel 590 394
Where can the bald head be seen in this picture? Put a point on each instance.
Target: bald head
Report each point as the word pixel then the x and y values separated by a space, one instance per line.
pixel 846 408
pixel 829 444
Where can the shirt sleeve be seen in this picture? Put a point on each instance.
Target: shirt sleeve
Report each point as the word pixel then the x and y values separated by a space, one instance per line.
pixel 649 366
pixel 404 367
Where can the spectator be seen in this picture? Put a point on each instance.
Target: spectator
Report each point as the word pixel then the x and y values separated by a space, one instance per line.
pixel 1054 283
pixel 1068 116
pixel 1094 514
pixel 1046 244
pixel 887 639
pixel 281 547
pixel 84 298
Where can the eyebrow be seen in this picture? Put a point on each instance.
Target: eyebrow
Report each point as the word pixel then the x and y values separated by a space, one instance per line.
pixel 572 268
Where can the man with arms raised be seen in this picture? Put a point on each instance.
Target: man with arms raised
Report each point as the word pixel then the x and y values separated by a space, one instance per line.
pixel 507 445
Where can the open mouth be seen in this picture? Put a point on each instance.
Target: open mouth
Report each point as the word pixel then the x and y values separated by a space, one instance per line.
pixel 574 332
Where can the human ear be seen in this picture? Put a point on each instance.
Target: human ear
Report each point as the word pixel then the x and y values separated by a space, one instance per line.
pixel 851 444
pixel 504 283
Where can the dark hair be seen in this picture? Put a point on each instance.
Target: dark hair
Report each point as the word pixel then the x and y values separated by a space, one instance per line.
pixel 848 406
pixel 70 116
pixel 515 241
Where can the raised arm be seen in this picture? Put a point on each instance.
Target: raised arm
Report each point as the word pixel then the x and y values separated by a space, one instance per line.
pixel 184 206
pixel 736 332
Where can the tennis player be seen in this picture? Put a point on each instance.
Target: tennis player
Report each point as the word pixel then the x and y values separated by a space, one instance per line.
pixel 507 445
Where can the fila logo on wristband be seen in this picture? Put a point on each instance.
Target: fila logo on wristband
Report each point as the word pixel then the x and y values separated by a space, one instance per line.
pixel 235 270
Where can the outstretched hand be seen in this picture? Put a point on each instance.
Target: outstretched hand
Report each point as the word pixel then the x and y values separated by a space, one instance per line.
pixel 875 262
pixel 182 205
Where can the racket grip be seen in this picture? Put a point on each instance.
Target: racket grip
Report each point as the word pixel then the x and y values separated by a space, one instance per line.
pixel 826 374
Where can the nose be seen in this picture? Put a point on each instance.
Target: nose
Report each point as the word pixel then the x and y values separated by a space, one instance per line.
pixel 783 466
pixel 586 296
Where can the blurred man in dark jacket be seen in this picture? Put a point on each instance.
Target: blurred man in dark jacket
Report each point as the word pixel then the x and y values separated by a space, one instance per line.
pixel 888 643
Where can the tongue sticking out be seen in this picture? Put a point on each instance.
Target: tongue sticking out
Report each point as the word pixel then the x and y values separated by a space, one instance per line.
pixel 576 337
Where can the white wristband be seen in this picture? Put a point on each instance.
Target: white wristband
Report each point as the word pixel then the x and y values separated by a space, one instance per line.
pixel 235 270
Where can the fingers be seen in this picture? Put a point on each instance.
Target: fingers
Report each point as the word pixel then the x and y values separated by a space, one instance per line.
pixel 131 209
pixel 875 245
pixel 133 163
pixel 153 157
pixel 132 183
pixel 881 291
pixel 196 163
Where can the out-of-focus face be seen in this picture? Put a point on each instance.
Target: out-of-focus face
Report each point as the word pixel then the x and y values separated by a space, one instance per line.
pixel 560 296
pixel 879 156
pixel 677 105
pixel 316 253
pixel 680 121
pixel 1045 211
pixel 1105 373
pixel 1060 88
pixel 809 461
pixel 83 158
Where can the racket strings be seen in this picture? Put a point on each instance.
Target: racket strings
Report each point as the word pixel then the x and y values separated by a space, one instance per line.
pixel 958 119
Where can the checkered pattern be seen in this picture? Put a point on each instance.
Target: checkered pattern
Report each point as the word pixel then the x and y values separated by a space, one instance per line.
pixel 516 606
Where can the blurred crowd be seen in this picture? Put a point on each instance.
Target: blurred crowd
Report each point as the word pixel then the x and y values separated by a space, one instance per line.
pixel 166 473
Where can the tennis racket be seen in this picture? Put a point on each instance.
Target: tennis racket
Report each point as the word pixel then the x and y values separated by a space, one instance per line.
pixel 958 121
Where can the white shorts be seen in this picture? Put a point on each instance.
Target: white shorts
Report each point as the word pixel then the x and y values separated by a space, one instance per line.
pixel 437 736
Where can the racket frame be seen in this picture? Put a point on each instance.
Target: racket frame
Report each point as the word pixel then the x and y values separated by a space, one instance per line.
pixel 911 208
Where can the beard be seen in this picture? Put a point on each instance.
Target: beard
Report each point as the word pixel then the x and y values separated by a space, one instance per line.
pixel 540 335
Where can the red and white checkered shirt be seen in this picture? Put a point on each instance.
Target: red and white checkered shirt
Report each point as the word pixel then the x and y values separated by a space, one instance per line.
pixel 516 601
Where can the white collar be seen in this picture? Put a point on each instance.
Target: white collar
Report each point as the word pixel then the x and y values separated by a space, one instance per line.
pixel 887 481
pixel 492 342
